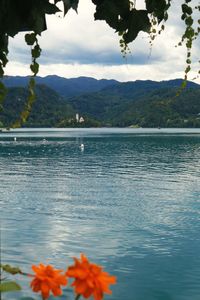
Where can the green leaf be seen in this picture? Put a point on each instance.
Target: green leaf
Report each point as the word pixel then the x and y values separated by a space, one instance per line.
pixel 34 68
pixel 40 23
pixel 186 9
pixel 4 43
pixel 184 84
pixel 70 4
pixel 157 8
pixel 30 38
pixel 24 116
pixel 9 269
pixel 36 51
pixel 28 105
pixel 3 58
pixel 108 13
pixel 189 21
pixel 31 83
pixel 114 12
pixel 187 70
pixel 9 286
pixel 138 21
pixel 51 8
pixel 189 33
pixel 1 70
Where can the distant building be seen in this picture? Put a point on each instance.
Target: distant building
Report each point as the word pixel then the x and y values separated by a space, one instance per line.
pixel 81 120
pixel 77 118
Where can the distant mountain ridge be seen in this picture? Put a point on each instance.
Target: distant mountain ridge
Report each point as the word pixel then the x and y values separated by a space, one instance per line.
pixel 65 87
pixel 138 87
pixel 70 87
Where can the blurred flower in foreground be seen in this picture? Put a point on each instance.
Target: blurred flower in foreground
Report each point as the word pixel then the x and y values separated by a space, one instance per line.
pixel 47 279
pixel 90 279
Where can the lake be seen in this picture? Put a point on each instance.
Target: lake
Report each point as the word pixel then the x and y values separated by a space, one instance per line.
pixel 130 200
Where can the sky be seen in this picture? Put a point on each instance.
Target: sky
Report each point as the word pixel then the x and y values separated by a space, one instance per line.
pixel 79 46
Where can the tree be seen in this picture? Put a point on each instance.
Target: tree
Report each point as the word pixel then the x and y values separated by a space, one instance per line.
pixel 121 15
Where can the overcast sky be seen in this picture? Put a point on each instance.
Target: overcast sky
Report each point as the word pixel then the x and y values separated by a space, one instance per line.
pixel 79 46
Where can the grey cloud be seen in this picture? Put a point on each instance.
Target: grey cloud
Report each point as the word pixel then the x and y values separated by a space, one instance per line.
pixel 85 56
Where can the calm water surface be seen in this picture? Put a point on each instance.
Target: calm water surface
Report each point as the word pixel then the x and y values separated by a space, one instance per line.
pixel 130 201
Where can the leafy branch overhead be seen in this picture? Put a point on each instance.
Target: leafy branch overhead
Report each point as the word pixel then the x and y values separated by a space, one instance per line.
pixel 121 15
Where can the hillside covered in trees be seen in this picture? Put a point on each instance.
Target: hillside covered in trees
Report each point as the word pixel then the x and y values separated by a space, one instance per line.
pixel 48 109
pixel 106 103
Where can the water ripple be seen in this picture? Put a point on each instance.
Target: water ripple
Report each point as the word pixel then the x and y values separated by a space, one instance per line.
pixel 132 203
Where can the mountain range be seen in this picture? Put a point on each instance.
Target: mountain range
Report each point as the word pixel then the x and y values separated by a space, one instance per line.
pixel 103 102
pixel 65 87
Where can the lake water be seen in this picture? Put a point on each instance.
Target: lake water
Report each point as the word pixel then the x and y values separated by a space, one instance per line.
pixel 130 201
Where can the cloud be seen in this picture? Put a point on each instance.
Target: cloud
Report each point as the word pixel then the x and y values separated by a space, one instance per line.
pixel 78 46
pixel 126 72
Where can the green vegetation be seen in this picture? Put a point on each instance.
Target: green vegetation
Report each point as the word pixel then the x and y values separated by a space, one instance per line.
pixel 162 109
pixel 121 15
pixel 48 109
pixel 155 108
pixel 135 104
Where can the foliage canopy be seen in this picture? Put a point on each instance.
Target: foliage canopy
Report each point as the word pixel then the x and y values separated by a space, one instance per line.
pixel 140 103
pixel 121 15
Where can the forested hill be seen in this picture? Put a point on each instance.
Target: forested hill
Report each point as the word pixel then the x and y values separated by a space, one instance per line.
pixel 47 111
pixel 139 103
pixel 69 87
pixel 127 105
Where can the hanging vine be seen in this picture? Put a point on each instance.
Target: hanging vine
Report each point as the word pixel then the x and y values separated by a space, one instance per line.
pixel 3 62
pixel 158 17
pixel 31 40
pixel 191 32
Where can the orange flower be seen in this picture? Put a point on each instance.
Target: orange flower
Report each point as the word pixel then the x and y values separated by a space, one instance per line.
pixel 90 280
pixel 47 279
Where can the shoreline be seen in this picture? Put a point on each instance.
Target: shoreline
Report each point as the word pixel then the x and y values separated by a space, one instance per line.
pixel 100 131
